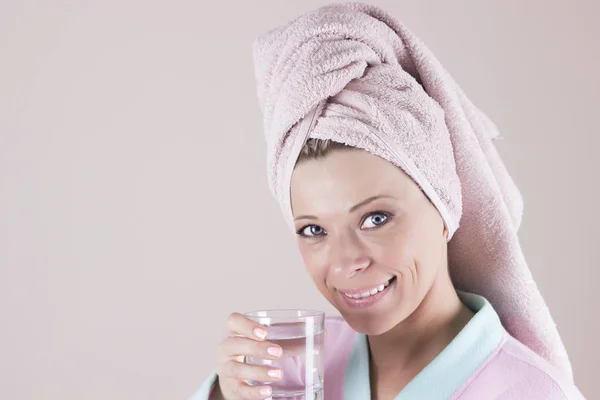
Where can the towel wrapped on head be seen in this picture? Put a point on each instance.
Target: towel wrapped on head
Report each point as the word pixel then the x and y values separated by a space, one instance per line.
pixel 351 73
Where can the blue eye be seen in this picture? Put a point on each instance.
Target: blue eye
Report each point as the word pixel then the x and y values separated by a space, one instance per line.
pixel 374 220
pixel 311 231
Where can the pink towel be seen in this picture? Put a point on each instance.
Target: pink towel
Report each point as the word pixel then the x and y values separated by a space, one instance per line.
pixel 352 73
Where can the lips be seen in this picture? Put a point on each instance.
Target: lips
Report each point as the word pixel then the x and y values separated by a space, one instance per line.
pixel 363 293
pixel 366 297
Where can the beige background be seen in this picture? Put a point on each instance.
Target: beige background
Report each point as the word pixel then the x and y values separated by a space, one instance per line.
pixel 134 210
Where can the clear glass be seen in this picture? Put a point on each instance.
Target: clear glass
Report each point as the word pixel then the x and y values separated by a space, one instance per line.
pixel 300 333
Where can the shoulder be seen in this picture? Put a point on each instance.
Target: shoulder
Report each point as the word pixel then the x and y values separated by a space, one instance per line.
pixel 516 372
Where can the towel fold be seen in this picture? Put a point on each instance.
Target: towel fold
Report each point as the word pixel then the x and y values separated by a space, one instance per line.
pixel 352 73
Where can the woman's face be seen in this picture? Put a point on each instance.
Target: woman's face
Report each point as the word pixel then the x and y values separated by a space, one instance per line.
pixel 370 239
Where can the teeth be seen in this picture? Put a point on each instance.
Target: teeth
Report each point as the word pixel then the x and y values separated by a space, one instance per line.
pixel 369 293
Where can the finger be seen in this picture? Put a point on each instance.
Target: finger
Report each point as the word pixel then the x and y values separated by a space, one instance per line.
pixel 248 372
pixel 238 324
pixel 233 347
pixel 244 391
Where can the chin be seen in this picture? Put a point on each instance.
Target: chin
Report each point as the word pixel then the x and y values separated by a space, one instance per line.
pixel 368 323
pixel 371 325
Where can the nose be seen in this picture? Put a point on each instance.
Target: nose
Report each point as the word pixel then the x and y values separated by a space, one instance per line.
pixel 347 254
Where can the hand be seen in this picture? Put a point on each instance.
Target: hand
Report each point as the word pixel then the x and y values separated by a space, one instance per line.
pixel 245 337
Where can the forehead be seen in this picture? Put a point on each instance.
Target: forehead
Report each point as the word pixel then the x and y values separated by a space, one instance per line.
pixel 343 178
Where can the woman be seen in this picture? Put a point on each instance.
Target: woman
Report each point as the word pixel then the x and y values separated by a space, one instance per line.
pixel 378 160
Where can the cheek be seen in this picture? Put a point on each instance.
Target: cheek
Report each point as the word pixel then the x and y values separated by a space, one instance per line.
pixel 423 246
pixel 393 248
pixel 404 247
pixel 315 260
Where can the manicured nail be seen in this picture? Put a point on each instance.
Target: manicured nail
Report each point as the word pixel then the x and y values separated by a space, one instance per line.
pixel 274 373
pixel 266 391
pixel 274 351
pixel 260 333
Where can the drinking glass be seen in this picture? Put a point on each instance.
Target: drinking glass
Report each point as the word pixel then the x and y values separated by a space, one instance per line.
pixel 300 333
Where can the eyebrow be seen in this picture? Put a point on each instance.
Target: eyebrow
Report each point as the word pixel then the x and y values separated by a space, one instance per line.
pixel 354 207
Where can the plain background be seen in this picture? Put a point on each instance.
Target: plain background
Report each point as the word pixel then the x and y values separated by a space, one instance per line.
pixel 134 208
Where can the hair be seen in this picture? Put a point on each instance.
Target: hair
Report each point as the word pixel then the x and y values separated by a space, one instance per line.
pixel 318 148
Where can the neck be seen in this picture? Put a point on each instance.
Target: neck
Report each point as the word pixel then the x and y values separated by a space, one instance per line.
pixel 398 355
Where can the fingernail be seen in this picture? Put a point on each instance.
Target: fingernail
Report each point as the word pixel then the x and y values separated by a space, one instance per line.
pixel 260 333
pixel 274 351
pixel 266 391
pixel 274 373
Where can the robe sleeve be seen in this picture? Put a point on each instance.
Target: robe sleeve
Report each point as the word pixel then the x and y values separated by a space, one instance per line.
pixel 206 388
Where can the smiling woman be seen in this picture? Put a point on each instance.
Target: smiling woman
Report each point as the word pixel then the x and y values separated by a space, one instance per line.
pixel 376 249
pixel 406 220
pixel 363 225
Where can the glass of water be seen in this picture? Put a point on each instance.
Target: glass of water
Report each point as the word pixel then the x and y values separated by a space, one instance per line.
pixel 300 333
